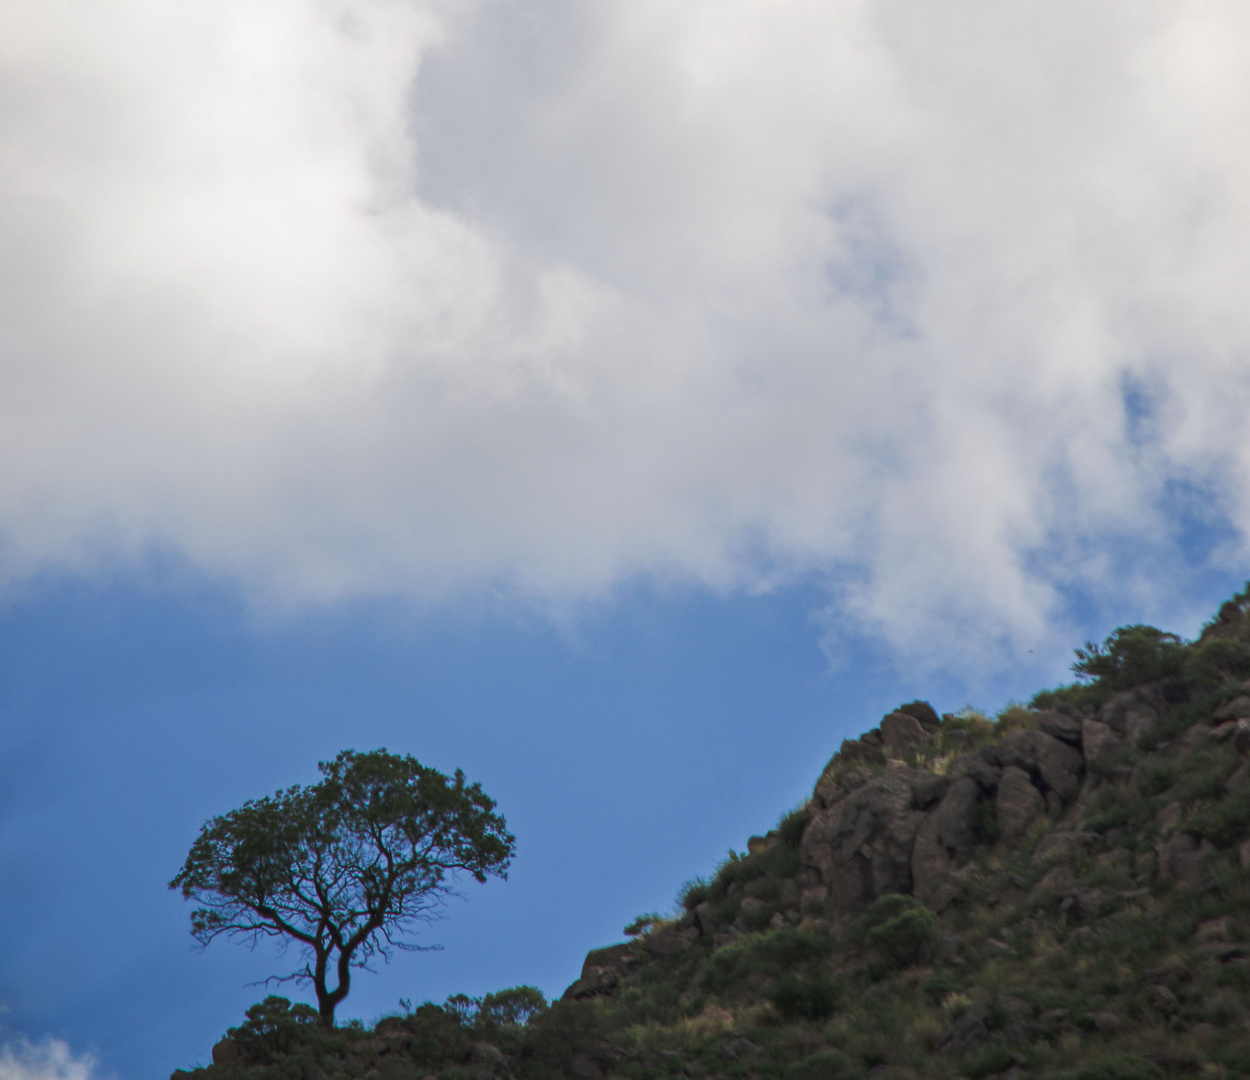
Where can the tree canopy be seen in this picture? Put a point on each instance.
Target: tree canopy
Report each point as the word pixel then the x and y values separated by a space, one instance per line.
pixel 344 867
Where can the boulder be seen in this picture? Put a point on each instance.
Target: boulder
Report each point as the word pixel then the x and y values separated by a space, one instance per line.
pixel 226 1052
pixel 902 734
pixel 670 941
pixel 1060 726
pixel 924 712
pixel 860 846
pixel 982 767
pixel 483 1053
pixel 1018 804
pixel 1184 859
pixel 1059 765
pixel 1057 845
pixel 943 843
pixel 1130 712
pixel 582 1067
pixel 1097 739
pixel 835 783
pixel 755 912
pixel 1238 707
pixel 968 1031
pixel 927 789
pixel 1051 763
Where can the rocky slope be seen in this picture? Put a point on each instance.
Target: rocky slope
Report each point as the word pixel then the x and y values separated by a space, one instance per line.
pixel 1060 891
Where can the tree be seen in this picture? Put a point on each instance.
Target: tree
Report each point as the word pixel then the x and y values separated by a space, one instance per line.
pixel 344 867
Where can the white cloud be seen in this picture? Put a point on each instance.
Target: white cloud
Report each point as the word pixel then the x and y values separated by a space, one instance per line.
pixel 49 1060
pixel 426 297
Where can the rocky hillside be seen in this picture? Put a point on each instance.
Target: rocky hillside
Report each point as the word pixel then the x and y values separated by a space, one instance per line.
pixel 1059 891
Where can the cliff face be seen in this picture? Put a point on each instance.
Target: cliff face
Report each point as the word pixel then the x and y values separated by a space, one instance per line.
pixel 1063 890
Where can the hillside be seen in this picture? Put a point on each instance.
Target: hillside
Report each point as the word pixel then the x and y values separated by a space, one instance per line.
pixel 1060 891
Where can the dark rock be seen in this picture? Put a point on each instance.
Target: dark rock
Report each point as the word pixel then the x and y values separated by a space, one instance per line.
pixel 582 1067
pixel 1056 882
pixel 595 982
pixel 1130 712
pixel 622 957
pixel 1018 804
pixel 671 941
pixel 1241 737
pixel 391 1027
pixel 1083 938
pixel 737 1048
pixel 1061 726
pixel 928 788
pixel 861 845
pixel 1163 999
pixel 968 1031
pixel 924 712
pixel 706 919
pixel 943 843
pixel 1184 859
pixel 1097 740
pixel 226 1052
pixel 1107 1022
pixel 1237 707
pixel 483 1053
pixel 1059 765
pixel 755 913
pixel 1058 845
pixel 902 734
pixel 981 767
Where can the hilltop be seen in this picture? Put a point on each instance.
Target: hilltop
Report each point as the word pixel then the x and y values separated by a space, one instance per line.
pixel 1062 890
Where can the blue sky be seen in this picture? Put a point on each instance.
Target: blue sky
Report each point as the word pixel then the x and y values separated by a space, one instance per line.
pixel 623 402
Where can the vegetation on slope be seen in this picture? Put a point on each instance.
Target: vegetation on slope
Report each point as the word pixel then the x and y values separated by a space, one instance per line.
pixel 1060 891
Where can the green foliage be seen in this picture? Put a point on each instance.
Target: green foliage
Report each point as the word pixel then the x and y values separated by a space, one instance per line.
pixel 516 1006
pixel 642 924
pixel 771 953
pixel 344 867
pixel 693 893
pixel 985 822
pixel 273 1026
pixel 790 827
pixel 829 1064
pixel 993 1059
pixel 1119 1067
pixel 1130 656
pixel 906 938
pixel 806 998
pixel 1224 821
pixel 1209 664
pixel 899 929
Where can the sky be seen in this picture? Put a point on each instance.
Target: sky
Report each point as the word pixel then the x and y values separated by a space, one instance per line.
pixel 623 402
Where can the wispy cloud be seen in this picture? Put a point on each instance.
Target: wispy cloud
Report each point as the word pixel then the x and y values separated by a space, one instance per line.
pixel 423 297
pixel 49 1060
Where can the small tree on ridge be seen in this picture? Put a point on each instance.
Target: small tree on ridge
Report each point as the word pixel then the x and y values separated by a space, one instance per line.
pixel 344 867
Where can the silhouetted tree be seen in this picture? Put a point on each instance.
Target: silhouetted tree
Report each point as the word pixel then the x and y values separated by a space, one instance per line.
pixel 345 866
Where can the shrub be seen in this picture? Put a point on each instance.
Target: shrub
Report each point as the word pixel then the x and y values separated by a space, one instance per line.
pixel 1119 1067
pixel 790 827
pixel 693 893
pixel 642 924
pixel 1209 664
pixel 906 938
pixel 1130 656
pixel 1224 821
pixel 772 953
pixel 799 998
pixel 515 1006
pixel 827 1064
pixel 898 928
pixel 274 1026
pixel 991 1060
